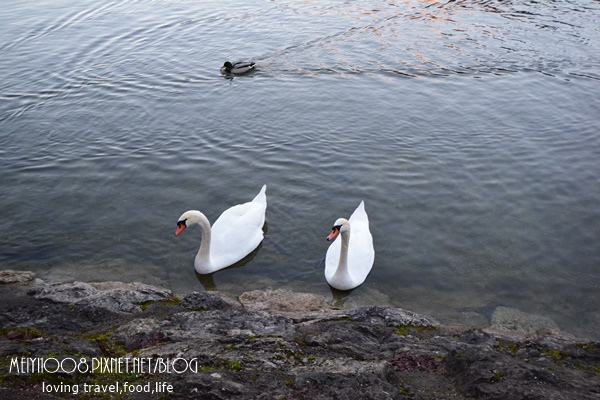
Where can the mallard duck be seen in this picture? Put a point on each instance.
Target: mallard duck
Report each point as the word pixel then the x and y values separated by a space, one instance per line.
pixel 237 68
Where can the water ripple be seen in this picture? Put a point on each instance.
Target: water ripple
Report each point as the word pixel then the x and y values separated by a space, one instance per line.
pixel 114 116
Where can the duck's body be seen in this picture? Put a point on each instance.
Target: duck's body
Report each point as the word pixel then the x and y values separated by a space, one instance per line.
pixel 237 68
pixel 350 258
pixel 234 235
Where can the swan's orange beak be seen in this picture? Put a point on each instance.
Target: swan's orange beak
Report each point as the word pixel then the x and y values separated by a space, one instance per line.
pixel 334 231
pixel 180 228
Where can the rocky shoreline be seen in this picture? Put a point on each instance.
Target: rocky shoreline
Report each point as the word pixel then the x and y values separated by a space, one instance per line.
pixel 146 342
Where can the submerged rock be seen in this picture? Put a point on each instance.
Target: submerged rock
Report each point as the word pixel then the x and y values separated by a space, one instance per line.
pixel 509 320
pixel 280 345
pixel 284 302
pixel 11 276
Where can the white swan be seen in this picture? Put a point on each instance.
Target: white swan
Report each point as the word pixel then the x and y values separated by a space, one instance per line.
pixel 349 260
pixel 232 237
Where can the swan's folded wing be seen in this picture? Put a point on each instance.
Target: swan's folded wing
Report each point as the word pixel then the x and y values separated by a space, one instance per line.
pixel 237 232
pixel 361 253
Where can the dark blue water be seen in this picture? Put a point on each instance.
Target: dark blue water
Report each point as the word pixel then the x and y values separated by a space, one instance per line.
pixel 470 129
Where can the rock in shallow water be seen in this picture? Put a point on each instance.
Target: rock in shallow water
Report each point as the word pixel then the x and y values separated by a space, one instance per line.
pixel 510 320
pixel 11 276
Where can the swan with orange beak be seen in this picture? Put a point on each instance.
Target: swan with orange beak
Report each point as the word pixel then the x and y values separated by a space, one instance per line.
pixel 350 258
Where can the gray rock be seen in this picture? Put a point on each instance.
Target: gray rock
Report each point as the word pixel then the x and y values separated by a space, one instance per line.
pixel 278 344
pixel 284 302
pixel 11 276
pixel 514 321
pixel 111 296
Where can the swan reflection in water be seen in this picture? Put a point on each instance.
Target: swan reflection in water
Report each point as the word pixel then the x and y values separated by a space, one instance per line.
pixel 207 280
pixel 339 297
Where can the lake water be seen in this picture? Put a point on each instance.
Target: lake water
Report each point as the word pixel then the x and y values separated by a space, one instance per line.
pixel 471 129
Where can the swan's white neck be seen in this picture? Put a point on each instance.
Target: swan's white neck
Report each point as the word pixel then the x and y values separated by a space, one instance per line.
pixel 341 273
pixel 202 262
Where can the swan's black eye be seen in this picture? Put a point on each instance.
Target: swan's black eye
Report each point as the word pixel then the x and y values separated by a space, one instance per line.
pixel 337 227
pixel 182 223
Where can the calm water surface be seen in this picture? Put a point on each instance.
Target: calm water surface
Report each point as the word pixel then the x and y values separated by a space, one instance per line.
pixel 470 128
